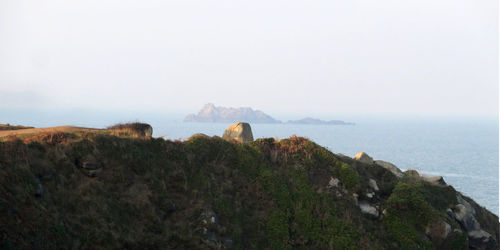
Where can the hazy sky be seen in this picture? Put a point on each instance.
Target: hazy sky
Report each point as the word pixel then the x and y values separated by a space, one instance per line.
pixel 309 57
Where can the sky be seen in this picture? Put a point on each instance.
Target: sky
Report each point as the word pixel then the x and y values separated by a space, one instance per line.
pixel 414 57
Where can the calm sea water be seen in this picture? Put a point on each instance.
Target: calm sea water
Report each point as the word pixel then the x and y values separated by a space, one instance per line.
pixel 464 152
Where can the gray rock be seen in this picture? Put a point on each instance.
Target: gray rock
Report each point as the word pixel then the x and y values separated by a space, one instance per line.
pixel 412 173
pixel 466 218
pixel 480 239
pixel 435 180
pixel 334 183
pixel 240 132
pixel 373 184
pixel 363 157
pixel 370 195
pixel 464 214
pixel 366 208
pixel 391 167
pixel 467 205
pixel 355 198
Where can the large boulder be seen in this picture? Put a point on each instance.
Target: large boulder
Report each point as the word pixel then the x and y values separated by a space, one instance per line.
pixel 391 167
pixel 136 128
pixel 240 132
pixel 465 215
pixel 363 157
pixel 438 231
pixel 367 208
pixel 435 180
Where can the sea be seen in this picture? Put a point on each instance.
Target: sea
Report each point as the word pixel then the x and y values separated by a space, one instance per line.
pixel 463 150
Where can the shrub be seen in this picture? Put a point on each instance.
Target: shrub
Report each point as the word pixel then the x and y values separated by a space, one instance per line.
pixel 348 175
pixel 408 213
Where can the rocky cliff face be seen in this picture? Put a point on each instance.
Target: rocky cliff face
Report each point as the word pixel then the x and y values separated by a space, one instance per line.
pixel 99 191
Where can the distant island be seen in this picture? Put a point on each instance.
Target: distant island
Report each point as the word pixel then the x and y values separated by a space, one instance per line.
pixel 313 121
pixel 211 113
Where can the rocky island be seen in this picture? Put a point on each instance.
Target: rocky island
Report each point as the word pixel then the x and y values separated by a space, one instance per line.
pixel 313 121
pixel 211 113
pixel 121 188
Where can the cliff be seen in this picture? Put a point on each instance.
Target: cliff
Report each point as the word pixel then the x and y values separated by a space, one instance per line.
pixel 101 190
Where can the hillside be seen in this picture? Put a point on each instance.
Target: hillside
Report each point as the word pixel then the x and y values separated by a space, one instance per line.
pixel 103 189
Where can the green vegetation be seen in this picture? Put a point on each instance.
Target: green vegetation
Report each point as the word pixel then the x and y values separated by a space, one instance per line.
pixel 202 193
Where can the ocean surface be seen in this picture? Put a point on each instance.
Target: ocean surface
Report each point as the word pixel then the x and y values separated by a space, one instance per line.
pixel 463 151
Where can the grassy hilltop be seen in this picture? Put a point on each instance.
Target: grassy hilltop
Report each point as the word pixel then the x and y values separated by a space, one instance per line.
pixel 109 189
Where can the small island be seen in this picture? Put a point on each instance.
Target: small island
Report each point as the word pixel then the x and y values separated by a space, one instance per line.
pixel 314 121
pixel 212 113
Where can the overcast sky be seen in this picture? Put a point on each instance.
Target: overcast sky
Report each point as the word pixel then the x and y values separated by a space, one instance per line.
pixel 320 57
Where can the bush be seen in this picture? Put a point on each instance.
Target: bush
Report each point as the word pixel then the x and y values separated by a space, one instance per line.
pixel 348 175
pixel 407 213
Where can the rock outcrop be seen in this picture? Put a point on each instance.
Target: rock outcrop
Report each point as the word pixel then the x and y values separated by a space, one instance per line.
pixel 137 128
pixel 240 132
pixel 391 167
pixel 363 157
pixel 367 208
pixel 435 180
pixel 464 213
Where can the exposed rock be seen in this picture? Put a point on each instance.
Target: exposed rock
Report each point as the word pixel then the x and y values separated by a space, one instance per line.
pixel 467 205
pixel 240 132
pixel 391 167
pixel 370 195
pixel 366 208
pixel 480 239
pixel 355 197
pixel 363 157
pixel 373 184
pixel 138 128
pixel 435 180
pixel 438 231
pixel 412 173
pixel 464 214
pixel 334 183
